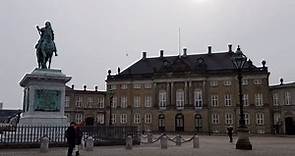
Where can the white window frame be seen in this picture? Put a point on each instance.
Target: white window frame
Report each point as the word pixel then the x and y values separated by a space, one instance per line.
pixel 124 86
pixel 162 99
pixel 148 85
pixel 179 99
pixel 276 118
pixel 148 118
pixel 214 100
pixel 213 83
pixel 148 101
pixel 198 99
pixel 259 99
pixel 124 101
pixel 215 118
pixel 67 101
pixel 227 82
pixel 137 85
pixel 89 102
pixel 245 100
pixel 114 116
pixel 113 87
pixel 260 119
pixel 287 98
pixel 257 81
pixel 229 118
pixel 123 118
pixel 245 82
pixel 136 101
pixel 100 118
pixel 275 98
pixel 247 118
pixel 100 102
pixel 114 102
pixel 78 117
pixel 227 100
pixel 68 115
pixel 79 101
pixel 137 118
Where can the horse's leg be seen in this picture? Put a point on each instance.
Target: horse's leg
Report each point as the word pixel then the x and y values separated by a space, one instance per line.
pixel 49 62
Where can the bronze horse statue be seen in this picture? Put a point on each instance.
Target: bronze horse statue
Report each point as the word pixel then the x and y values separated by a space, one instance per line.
pixel 45 46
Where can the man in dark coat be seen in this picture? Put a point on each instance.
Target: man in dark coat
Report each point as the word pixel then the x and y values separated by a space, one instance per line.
pixel 78 139
pixel 230 133
pixel 71 135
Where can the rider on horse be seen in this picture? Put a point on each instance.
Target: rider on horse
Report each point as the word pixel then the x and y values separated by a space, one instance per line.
pixel 45 46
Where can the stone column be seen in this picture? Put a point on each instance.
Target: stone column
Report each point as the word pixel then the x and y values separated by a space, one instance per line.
pixel 89 144
pixel 129 142
pixel 168 95
pixel 186 102
pixel 164 142
pixel 190 94
pixel 155 102
pixel 44 145
pixel 178 140
pixel 172 95
pixel 196 143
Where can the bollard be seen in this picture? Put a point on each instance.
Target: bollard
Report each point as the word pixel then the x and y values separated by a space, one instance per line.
pixel 128 142
pixel 164 142
pixel 89 143
pixel 44 144
pixel 178 140
pixel 196 141
pixel 150 137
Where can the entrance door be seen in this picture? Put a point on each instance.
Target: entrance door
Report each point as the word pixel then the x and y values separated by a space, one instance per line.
pixel 290 127
pixel 179 123
pixel 161 123
pixel 89 121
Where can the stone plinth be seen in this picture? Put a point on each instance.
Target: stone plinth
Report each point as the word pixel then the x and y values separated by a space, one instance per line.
pixel 44 96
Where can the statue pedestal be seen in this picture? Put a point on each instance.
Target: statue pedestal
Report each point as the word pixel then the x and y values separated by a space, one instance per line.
pixel 44 96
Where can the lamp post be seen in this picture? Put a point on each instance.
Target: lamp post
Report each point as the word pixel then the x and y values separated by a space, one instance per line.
pixel 243 142
pixel 110 94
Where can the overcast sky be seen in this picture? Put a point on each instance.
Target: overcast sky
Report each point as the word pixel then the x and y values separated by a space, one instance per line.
pixel 94 36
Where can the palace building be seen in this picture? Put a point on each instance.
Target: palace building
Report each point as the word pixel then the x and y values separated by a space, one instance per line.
pixel 86 107
pixel 190 92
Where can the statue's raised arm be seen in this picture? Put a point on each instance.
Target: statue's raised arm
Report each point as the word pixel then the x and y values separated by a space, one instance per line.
pixel 45 46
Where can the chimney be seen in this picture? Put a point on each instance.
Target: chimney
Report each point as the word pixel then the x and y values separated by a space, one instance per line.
pixel 119 70
pixel 73 86
pixel 209 50
pixel 161 53
pixel 84 87
pixel 109 72
pixel 1 105
pixel 263 63
pixel 95 88
pixel 184 51
pixel 230 48
pixel 143 55
pixel 282 81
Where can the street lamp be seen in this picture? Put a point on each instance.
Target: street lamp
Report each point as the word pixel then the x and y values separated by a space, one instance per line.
pixel 243 142
pixel 110 94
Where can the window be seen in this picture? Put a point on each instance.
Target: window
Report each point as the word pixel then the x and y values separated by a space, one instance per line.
pixel 114 102
pixel 79 117
pixel 113 87
pixel 275 99
pixel 137 101
pixel 114 116
pixel 78 101
pixel 179 99
pixel 161 122
pixel 137 85
pixel 89 102
pixel 257 81
pixel 214 100
pixel 101 102
pixel 162 99
pixel 258 99
pixel 276 118
pixel 244 82
pixel 229 118
pixel 148 101
pixel 215 118
pixel 259 118
pixel 227 83
pixel 213 83
pixel 136 118
pixel 245 100
pixel 287 98
pixel 198 122
pixel 67 101
pixel 123 118
pixel 68 115
pixel 148 85
pixel 227 100
pixel 148 118
pixel 198 100
pixel 124 86
pixel 124 102
pixel 100 118
pixel 247 118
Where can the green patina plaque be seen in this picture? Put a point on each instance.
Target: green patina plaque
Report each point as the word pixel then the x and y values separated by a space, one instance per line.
pixel 47 100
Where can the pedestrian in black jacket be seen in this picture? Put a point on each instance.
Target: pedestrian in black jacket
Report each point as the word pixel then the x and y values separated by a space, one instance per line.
pixel 71 135
pixel 78 139
pixel 230 133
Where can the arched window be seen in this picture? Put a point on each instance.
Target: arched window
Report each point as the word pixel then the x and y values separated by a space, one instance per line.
pixel 179 122
pixel 161 123
pixel 198 122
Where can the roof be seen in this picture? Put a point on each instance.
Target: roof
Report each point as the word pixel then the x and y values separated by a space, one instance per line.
pixel 197 63
pixel 285 85
pixel 6 114
pixel 69 89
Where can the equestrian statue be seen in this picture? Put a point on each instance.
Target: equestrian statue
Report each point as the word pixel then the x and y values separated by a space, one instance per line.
pixel 45 46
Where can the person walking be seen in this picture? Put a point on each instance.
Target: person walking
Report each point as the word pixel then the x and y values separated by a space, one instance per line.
pixel 78 139
pixel 230 133
pixel 71 138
